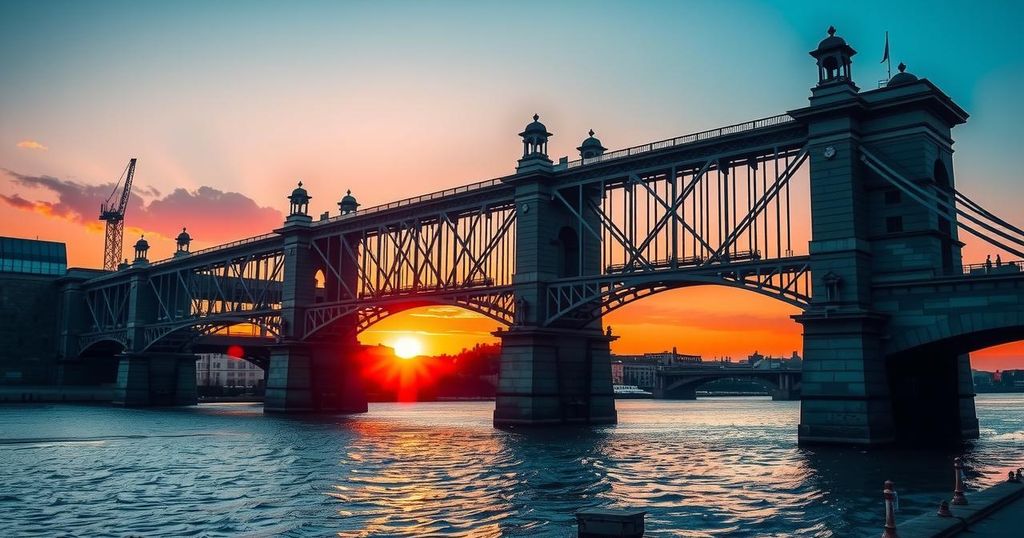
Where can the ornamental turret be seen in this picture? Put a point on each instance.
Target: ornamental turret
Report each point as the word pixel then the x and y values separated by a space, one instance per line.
pixel 348 203
pixel 141 252
pixel 184 240
pixel 591 147
pixel 298 207
pixel 535 147
pixel 834 59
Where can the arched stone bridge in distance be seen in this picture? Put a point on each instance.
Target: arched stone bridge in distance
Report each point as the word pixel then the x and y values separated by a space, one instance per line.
pixel 888 312
pixel 681 382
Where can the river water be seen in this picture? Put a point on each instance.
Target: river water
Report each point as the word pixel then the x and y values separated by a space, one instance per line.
pixel 700 468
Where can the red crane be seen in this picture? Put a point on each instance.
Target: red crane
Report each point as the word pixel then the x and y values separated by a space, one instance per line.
pixel 114 216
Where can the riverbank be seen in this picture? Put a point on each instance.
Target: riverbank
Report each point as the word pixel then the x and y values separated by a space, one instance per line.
pixel 995 511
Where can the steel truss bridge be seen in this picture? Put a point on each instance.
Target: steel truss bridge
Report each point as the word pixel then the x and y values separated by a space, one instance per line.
pixel 550 249
pixel 714 207
pixel 710 208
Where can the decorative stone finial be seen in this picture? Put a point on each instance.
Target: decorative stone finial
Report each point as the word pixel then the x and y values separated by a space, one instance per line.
pixel 831 31
pixel 902 67
pixel 591 133
pixel 536 117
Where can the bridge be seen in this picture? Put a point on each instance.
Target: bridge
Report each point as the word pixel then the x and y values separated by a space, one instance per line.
pixel 680 382
pixel 888 311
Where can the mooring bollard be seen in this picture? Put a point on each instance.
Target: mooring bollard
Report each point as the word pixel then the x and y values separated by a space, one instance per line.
pixel 1020 474
pixel 944 510
pixel 889 493
pixel 958 491
pixel 1012 477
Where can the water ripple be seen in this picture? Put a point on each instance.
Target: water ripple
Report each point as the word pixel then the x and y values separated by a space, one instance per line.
pixel 704 468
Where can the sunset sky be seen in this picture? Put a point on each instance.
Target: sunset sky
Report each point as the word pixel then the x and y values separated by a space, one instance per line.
pixel 227 104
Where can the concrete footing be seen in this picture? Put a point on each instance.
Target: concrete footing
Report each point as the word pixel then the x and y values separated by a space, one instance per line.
pixel 314 378
pixel 554 376
pixel 156 379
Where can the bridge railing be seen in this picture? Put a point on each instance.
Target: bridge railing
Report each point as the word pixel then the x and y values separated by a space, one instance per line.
pixel 993 268
pixel 246 241
pixel 375 209
pixel 686 139
pixel 414 200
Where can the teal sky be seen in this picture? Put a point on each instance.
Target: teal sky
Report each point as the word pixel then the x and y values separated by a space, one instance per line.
pixel 394 99
pixel 397 98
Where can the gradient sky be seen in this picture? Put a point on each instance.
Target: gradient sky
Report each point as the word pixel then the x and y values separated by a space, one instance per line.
pixel 227 104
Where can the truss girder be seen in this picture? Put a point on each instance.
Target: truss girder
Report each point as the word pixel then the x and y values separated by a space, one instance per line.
pixel 108 306
pixel 179 335
pixel 229 287
pixel 423 255
pixel 585 299
pixel 729 207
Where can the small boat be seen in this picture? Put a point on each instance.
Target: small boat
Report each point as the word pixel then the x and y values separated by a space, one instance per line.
pixel 630 391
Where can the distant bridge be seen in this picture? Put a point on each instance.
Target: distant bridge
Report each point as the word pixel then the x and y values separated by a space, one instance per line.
pixel 888 311
pixel 681 382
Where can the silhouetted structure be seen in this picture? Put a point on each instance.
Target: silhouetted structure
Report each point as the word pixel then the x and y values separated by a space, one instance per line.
pixel 888 313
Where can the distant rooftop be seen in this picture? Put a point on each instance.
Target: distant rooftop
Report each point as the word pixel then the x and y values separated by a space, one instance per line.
pixel 32 256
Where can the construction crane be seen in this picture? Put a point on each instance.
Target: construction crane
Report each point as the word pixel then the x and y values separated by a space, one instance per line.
pixel 114 217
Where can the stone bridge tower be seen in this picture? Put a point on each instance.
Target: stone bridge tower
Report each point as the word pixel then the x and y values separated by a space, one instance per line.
pixel 867 233
pixel 304 374
pixel 559 373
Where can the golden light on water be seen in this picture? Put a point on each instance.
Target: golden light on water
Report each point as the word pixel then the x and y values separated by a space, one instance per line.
pixel 408 347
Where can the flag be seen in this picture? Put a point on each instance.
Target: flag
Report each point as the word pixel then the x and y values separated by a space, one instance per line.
pixel 885 55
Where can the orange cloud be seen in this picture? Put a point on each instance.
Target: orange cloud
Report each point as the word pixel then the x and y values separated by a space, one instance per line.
pixel 31 144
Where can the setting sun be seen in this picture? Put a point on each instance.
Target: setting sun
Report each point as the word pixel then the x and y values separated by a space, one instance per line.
pixel 408 347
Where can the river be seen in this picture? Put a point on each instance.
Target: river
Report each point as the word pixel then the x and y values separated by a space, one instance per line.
pixel 700 468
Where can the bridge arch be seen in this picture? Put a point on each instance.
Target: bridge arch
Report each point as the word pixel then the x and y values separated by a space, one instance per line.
pixel 106 346
pixel 497 307
pixel 681 384
pixel 175 337
pixel 604 297
pixel 960 333
pixel 929 371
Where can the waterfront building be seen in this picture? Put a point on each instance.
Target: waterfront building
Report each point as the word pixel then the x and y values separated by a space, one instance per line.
pixel 640 369
pixel 640 374
pixel 29 270
pixel 616 372
pixel 218 370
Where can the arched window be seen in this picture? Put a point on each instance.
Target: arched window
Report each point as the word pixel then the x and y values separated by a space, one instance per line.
pixel 320 281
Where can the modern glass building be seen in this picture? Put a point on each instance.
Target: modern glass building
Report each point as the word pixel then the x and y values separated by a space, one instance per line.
pixel 33 257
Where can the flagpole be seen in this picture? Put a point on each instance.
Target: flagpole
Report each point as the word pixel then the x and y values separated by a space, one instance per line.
pixel 888 57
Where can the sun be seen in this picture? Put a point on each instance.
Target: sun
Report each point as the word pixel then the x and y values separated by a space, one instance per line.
pixel 408 347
